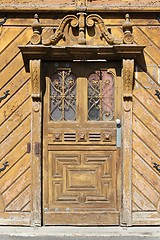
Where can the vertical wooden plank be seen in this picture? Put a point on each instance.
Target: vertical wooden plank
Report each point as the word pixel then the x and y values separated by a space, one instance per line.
pixel 126 218
pixel 35 68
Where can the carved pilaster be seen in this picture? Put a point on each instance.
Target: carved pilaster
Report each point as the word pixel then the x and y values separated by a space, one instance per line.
pixel 35 70
pixel 128 69
pixel 36 138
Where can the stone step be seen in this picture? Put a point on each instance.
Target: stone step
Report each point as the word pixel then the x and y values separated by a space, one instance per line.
pixel 79 233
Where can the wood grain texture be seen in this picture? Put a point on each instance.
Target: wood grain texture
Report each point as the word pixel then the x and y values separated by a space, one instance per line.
pixel 15 181
pixel 146 128
pixel 81 171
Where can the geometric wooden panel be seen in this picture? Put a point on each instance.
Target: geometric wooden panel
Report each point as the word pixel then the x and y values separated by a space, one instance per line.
pixel 83 179
pixel 83 136
pixel 82 188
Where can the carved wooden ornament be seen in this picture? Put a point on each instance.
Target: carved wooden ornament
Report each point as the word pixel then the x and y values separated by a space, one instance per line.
pixel 35 68
pixel 128 70
pixel 82 22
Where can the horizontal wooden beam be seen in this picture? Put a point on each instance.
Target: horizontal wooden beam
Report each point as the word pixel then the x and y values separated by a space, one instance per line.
pixel 81 52
pixel 57 8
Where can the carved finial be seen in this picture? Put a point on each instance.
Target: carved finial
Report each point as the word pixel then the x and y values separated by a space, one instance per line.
pixel 127 29
pixel 37 30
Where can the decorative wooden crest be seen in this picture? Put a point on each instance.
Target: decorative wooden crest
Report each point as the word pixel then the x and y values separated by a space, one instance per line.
pixel 81 29
pixel 80 37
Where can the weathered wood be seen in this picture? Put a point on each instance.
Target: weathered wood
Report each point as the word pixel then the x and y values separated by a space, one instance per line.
pixel 14 190
pixel 15 219
pixel 22 202
pixel 20 97
pixel 146 218
pixel 145 189
pixel 146 171
pixel 12 50
pixel 128 68
pixel 36 138
pixel 16 137
pixel 73 168
pixel 146 136
pixel 21 181
pixel 15 120
pixel 151 49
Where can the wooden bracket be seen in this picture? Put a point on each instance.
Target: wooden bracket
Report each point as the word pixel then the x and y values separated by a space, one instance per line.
pixel 35 69
pixel 128 70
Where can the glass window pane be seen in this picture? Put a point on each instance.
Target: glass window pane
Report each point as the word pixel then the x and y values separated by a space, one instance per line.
pixel 101 96
pixel 63 96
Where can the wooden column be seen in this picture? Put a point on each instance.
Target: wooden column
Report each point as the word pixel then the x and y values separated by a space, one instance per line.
pixel 36 126
pixel 128 69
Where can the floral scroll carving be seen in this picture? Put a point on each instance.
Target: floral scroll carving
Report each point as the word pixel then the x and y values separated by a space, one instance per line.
pixel 69 19
pixel 93 19
pixel 81 29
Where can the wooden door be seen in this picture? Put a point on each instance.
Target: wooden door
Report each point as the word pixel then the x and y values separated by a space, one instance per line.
pixel 81 164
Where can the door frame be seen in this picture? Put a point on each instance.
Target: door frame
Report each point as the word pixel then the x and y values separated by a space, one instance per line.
pixel 33 56
pixel 88 67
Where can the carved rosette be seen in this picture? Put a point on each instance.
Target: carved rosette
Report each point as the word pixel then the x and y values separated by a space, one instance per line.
pixel 128 70
pixel 35 68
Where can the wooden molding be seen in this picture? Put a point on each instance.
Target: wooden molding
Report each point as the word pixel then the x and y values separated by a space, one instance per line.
pixel 26 8
pixel 79 52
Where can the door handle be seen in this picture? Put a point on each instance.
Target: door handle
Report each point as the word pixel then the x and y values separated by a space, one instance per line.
pixel 118 134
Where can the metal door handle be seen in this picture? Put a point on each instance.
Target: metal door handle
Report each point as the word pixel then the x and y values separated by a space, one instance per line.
pixel 118 135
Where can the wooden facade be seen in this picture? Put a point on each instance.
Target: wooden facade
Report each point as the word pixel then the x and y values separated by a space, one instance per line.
pixel 79 170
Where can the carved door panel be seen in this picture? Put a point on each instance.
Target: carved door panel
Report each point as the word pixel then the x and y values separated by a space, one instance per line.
pixel 81 165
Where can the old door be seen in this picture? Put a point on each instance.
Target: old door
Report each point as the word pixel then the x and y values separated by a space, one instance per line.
pixel 81 164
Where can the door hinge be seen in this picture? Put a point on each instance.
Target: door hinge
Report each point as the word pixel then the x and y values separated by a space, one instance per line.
pixel 37 149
